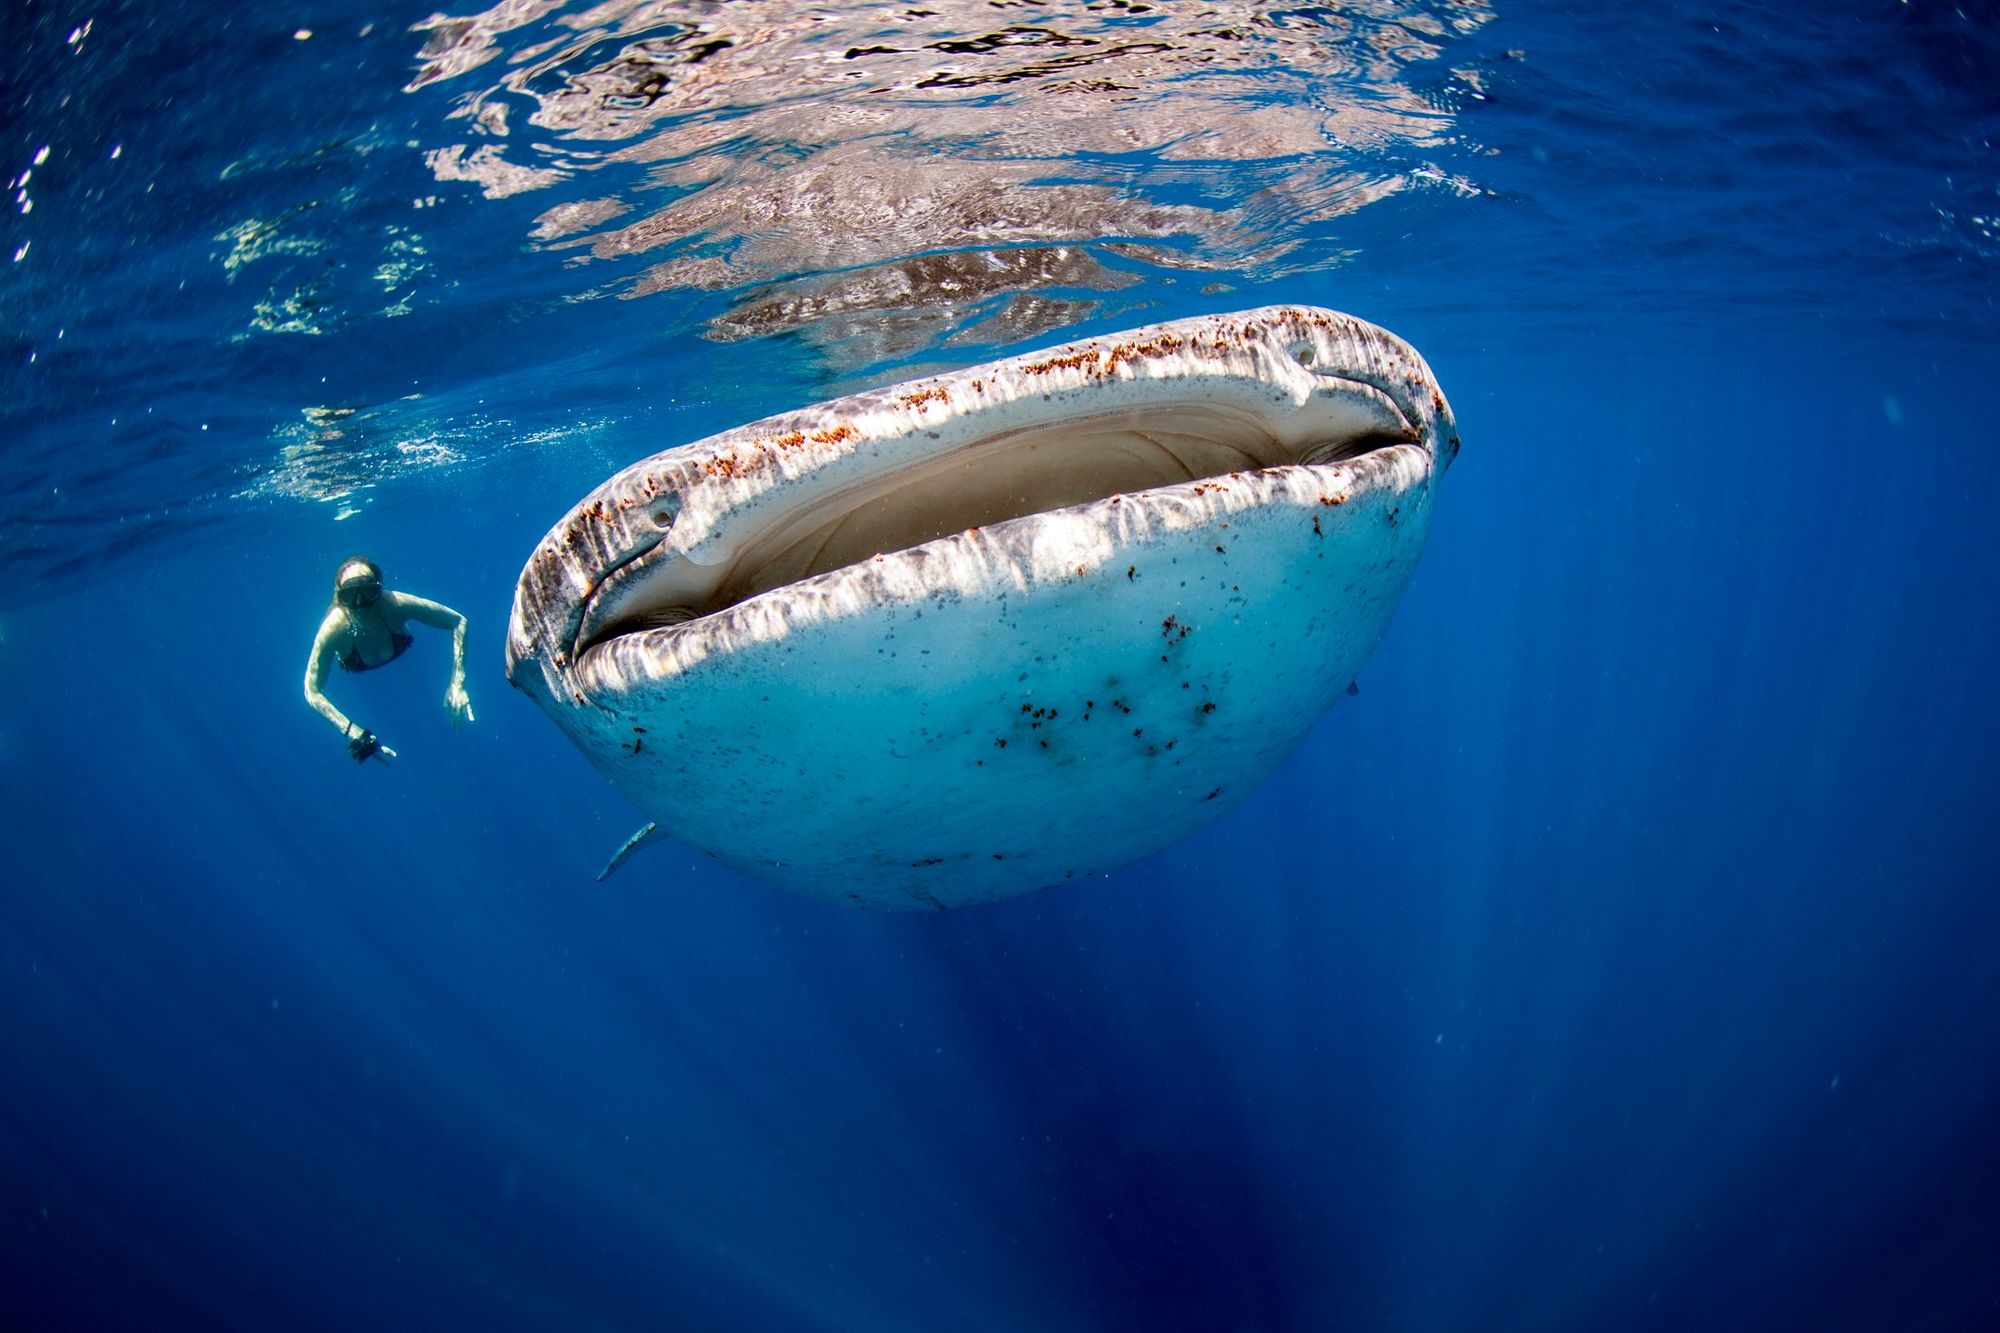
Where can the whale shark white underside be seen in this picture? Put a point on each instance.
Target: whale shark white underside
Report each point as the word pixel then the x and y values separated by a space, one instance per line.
pixel 978 633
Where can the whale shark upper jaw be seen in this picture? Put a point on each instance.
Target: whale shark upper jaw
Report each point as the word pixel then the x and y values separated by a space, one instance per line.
pixel 1143 420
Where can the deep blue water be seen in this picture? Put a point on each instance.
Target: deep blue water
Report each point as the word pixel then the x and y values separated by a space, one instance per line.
pixel 1626 955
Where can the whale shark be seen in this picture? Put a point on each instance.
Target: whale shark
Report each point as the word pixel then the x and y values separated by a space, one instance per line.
pixel 983 632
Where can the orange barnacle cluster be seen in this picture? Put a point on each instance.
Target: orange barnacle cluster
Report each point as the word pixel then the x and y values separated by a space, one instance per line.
pixel 835 434
pixel 1164 345
pixel 791 439
pixel 725 466
pixel 1074 361
pixel 1332 500
pixel 932 394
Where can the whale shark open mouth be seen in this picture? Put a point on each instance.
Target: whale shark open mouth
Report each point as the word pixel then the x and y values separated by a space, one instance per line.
pixel 986 481
pixel 817 494
pixel 961 637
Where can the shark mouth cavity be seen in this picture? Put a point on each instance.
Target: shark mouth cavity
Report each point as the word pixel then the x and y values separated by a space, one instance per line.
pixel 978 484
pixel 679 540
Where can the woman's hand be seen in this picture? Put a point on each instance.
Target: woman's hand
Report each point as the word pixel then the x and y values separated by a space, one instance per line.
pixel 458 705
pixel 364 747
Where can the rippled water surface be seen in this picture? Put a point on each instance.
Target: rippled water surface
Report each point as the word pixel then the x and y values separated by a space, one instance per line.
pixel 1624 955
pixel 264 257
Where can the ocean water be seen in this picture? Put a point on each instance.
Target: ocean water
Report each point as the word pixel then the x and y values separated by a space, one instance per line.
pixel 1625 955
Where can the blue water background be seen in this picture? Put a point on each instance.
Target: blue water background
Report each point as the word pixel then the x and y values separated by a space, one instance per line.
pixel 1626 954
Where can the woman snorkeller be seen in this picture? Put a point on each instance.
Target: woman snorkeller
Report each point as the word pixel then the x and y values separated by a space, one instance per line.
pixel 366 626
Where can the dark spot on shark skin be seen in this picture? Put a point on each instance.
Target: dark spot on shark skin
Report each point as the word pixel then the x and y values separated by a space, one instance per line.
pixel 1212 795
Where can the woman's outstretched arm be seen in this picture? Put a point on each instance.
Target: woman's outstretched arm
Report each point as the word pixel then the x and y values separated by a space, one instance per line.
pixel 440 616
pixel 361 743
pixel 316 669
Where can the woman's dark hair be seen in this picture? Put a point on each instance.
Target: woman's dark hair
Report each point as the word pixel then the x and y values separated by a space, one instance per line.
pixel 374 569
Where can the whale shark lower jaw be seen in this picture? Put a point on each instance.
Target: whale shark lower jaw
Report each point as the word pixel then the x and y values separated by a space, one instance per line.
pixel 914 574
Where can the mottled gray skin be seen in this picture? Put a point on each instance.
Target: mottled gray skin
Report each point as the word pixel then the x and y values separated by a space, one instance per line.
pixel 948 719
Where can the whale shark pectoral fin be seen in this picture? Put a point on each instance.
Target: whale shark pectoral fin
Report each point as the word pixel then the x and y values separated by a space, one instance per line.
pixel 1354 687
pixel 648 834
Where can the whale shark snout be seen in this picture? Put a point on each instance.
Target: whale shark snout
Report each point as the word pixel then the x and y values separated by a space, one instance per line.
pixel 978 633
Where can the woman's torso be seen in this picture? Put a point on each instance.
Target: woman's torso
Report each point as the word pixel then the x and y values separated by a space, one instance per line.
pixel 371 637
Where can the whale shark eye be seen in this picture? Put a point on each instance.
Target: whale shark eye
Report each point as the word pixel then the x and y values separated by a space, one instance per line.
pixel 664 510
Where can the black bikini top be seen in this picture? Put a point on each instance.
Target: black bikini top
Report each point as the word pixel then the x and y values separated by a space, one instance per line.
pixel 399 641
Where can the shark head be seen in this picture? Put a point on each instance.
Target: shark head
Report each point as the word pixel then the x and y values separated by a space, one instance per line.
pixel 982 632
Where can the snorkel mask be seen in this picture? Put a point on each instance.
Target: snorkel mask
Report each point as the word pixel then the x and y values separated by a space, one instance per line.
pixel 358 584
